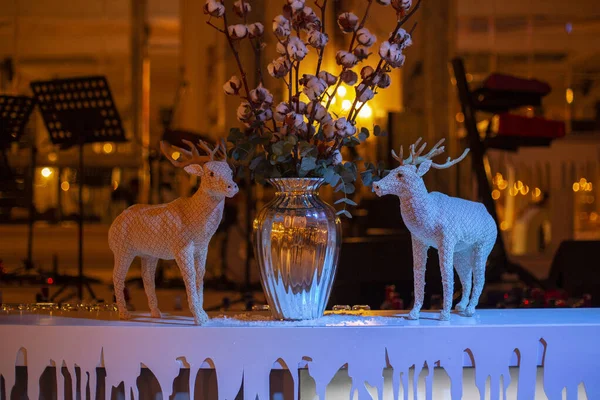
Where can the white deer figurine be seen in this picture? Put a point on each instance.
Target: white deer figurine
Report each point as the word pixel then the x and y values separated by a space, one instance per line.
pixel 463 231
pixel 179 230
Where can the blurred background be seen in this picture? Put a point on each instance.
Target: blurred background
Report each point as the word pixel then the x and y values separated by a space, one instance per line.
pixel 539 165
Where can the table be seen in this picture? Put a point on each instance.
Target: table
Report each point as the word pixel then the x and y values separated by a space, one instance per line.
pixel 565 342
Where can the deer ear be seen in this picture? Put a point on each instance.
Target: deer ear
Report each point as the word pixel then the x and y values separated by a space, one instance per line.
pixel 424 167
pixel 194 169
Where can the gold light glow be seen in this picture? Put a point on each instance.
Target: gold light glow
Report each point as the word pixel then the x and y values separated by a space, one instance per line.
pixel 524 190
pixel 576 187
pixel 175 155
pixel 460 118
pixel 366 112
pixel 52 157
pixel 495 194
pixel 537 192
pixel 65 186
pixel 503 225
pixel 346 104
pixel 46 172
pixel 513 191
pixel 593 216
pixel 569 95
pixel 502 184
pixel 107 148
pixel 341 91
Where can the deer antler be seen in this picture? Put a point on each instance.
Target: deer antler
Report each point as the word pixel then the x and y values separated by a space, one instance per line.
pixel 416 158
pixel 191 156
pixel 450 162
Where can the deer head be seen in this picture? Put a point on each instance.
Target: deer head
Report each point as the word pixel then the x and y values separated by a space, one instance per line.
pixel 408 177
pixel 216 177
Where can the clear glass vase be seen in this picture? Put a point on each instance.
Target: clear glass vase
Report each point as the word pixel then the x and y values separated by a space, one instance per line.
pixel 297 239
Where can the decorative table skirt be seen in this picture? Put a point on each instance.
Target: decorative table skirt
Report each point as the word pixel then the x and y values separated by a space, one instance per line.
pixel 245 347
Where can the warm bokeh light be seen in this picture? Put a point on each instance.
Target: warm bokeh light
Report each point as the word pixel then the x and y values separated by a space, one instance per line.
pixel 460 118
pixel 115 185
pixel 503 225
pixel 46 172
pixel 366 112
pixel 513 191
pixel 524 190
pixel 175 155
pixel 502 185
pixel 52 157
pixel 537 192
pixel 65 186
pixel 341 91
pixel 107 148
pixel 576 187
pixel 570 96
pixel 518 185
pixel 495 194
pixel 593 216
pixel 346 104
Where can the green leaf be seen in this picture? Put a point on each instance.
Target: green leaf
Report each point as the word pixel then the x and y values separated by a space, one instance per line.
pixel 346 201
pixel 277 148
pixel 378 132
pixel 254 164
pixel 331 177
pixel 345 213
pixel 367 178
pixel 235 134
pixel 349 188
pixel 308 164
pixel 307 149
pixel 363 135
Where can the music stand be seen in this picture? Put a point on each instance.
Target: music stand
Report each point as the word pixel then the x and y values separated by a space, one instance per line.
pixel 78 111
pixel 14 114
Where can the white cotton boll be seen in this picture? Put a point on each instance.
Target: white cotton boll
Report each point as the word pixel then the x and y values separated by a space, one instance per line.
pixel 366 38
pixel 256 30
pixel 384 81
pixel 327 77
pixel 241 8
pixel 344 127
pixel 366 72
pixel 361 52
pixel 281 49
pixel 296 4
pixel 317 39
pixel 238 31
pixel 401 6
pixel 337 157
pixel 281 111
pixel 318 112
pixel 214 8
pixel 364 93
pixel 348 22
pixel 261 96
pixel 244 113
pixel 345 59
pixel 329 130
pixel 279 67
pixel 402 38
pixel 349 77
pixel 281 27
pixel 294 120
pixel 392 53
pixel 314 87
pixel 232 86
pixel 296 49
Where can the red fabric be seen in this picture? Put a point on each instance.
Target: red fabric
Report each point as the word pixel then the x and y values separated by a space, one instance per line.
pixel 513 84
pixel 516 125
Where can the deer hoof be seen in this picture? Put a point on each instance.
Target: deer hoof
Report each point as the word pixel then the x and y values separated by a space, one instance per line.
pixel 469 311
pixel 155 313
pixel 445 316
pixel 201 318
pixel 413 314
pixel 124 315
pixel 460 307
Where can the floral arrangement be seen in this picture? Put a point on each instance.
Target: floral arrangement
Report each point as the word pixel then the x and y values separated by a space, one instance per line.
pixel 297 138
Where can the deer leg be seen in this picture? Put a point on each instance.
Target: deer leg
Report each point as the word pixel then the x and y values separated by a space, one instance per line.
pixel 200 264
pixel 445 250
pixel 122 263
pixel 149 276
pixel 419 263
pixel 479 259
pixel 185 261
pixel 463 263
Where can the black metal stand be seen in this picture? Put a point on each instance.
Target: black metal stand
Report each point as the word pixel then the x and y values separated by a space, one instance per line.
pixel 78 111
pixel 14 114
pixel 499 258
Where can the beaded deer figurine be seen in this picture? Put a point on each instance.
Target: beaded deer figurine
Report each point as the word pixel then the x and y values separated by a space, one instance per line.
pixel 179 230
pixel 463 231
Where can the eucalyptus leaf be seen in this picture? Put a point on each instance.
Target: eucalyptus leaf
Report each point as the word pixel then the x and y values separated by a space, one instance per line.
pixel 345 213
pixel 346 201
